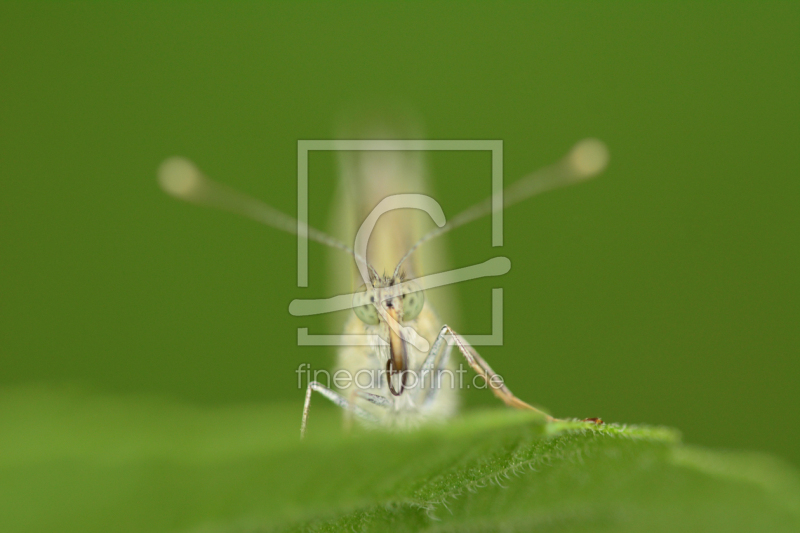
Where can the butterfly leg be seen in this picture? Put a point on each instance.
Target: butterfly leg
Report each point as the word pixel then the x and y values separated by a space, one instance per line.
pixel 482 368
pixel 336 398
pixel 431 369
pixel 375 399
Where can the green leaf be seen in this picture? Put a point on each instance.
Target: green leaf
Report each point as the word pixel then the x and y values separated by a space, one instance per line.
pixel 75 462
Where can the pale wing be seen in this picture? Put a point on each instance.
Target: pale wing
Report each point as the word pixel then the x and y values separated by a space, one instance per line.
pixel 367 177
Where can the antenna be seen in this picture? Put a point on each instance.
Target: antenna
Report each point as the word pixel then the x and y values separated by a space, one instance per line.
pixel 181 178
pixel 585 160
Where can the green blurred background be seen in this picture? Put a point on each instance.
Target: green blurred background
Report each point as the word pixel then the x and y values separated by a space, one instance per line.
pixel 665 292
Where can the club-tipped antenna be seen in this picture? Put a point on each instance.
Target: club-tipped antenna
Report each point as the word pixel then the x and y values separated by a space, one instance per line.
pixel 181 178
pixel 585 160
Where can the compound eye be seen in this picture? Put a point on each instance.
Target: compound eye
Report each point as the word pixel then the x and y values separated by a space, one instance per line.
pixel 413 301
pixel 363 306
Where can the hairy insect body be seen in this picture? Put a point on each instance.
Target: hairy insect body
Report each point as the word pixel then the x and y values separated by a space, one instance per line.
pixel 391 367
pixel 368 366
